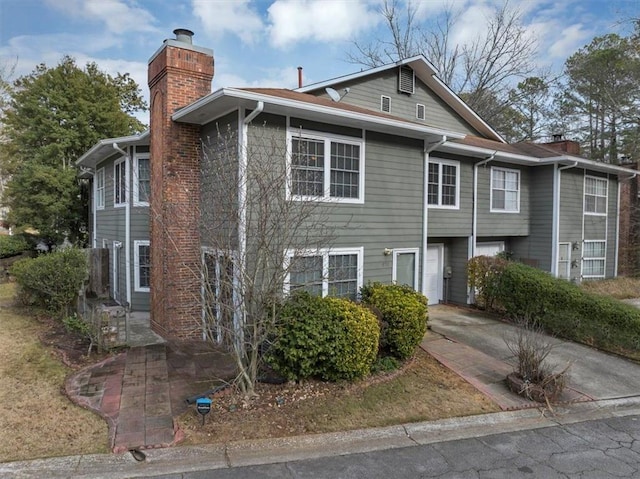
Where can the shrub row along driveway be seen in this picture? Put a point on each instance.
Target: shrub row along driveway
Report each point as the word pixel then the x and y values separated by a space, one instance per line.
pixel 597 374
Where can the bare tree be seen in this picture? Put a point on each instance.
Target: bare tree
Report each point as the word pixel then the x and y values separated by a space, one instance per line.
pixel 481 70
pixel 255 238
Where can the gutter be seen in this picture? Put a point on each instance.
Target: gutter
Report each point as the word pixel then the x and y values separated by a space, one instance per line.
pixel 425 208
pixel 556 215
pixel 127 223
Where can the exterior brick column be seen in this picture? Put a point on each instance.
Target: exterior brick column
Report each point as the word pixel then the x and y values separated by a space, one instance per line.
pixel 179 74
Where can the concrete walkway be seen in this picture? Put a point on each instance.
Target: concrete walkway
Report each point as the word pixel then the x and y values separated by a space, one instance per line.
pixel 473 344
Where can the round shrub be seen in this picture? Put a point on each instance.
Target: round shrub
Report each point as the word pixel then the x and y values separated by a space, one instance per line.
pixel 12 245
pixel 403 313
pixel 329 338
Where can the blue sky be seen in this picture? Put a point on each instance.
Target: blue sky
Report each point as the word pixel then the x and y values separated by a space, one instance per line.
pixel 261 43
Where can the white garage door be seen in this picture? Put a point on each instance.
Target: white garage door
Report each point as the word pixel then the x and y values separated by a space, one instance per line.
pixel 435 260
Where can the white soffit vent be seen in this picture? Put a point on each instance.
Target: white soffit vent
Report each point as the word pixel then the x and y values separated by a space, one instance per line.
pixel 406 80
pixel 385 104
pixel 420 111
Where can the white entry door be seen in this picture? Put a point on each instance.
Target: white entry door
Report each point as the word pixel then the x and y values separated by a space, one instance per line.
pixel 435 262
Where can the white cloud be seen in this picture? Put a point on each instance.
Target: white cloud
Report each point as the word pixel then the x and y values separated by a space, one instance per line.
pixel 571 38
pixel 118 16
pixel 293 21
pixel 234 17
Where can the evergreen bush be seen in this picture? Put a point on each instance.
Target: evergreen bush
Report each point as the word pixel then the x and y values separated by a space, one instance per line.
pixel 12 245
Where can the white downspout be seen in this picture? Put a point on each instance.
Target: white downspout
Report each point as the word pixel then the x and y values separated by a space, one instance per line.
pixel 127 222
pixel 474 221
pixel 556 217
pixel 425 208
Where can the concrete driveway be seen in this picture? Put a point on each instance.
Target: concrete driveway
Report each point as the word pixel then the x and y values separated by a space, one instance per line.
pixel 594 373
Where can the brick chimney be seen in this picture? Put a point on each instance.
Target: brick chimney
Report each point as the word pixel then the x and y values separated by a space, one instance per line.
pixel 566 146
pixel 179 74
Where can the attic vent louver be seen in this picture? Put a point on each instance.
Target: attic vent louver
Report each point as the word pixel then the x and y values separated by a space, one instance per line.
pixel 406 80
pixel 385 104
pixel 420 111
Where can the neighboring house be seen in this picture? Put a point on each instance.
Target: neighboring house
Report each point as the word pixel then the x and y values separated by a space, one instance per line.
pixel 425 182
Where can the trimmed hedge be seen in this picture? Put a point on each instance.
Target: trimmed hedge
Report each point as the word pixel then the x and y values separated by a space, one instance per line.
pixel 564 309
pixel 12 245
pixel 51 281
pixel 330 338
pixel 403 314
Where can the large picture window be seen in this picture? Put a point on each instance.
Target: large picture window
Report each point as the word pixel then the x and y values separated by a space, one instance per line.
pixel 336 272
pixel 326 168
pixel 120 182
pixel 505 190
pixel 594 259
pixel 595 195
pixel 443 183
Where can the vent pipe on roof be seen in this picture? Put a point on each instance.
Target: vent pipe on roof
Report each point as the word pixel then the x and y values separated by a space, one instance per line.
pixel 299 77
pixel 183 35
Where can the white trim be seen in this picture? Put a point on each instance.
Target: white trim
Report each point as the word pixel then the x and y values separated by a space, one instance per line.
pixel 136 178
pixel 439 205
pixel 617 241
pixel 491 188
pixel 606 195
pixel 100 192
pixel 327 138
pixel 394 266
pixel 117 163
pixel 115 289
pixel 324 253
pixel 136 265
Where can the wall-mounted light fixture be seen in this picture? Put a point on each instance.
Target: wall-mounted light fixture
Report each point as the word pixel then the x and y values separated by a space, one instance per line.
pixel 387 251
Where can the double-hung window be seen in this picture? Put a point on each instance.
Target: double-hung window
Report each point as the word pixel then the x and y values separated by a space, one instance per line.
pixel 593 259
pixel 100 189
pixel 120 182
pixel 326 168
pixel 505 190
pixel 443 189
pixel 142 265
pixel 595 195
pixel 142 181
pixel 564 260
pixel 326 272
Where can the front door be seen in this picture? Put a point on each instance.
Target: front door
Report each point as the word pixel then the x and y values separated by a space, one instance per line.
pixel 405 266
pixel 435 261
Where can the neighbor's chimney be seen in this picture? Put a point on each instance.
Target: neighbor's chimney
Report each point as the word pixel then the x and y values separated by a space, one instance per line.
pixel 179 74
pixel 566 146
pixel 299 77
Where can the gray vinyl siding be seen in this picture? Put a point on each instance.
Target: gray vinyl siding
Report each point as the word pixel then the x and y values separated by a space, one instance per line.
pixel 571 215
pixel 367 92
pixel 502 223
pixel 447 222
pixel 536 249
pixel 456 251
pixel 219 161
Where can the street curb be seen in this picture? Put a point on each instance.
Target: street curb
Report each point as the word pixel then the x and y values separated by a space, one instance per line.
pixel 271 451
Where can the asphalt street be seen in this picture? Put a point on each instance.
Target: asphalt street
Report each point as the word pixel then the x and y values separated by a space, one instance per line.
pixel 600 449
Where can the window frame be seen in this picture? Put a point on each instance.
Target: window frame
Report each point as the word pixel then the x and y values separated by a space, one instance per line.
pixel 561 262
pixel 219 256
pixel 603 259
pixel 100 191
pixel 394 268
pixel 324 253
pixel 120 163
pixel 136 266
pixel 440 162
pixel 136 179
pixel 596 196
pixel 492 209
pixel 328 139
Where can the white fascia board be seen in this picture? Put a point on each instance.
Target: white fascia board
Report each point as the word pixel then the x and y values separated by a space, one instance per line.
pixel 486 152
pixel 97 151
pixel 589 164
pixel 312 107
pixel 364 73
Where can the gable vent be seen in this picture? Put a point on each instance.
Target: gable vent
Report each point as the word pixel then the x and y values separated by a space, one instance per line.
pixel 406 80
pixel 385 104
pixel 420 111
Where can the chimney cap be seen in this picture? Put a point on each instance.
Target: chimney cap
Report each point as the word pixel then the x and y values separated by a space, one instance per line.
pixel 183 35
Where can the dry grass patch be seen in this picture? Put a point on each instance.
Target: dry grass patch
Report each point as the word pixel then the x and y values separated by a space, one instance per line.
pixel 36 419
pixel 618 288
pixel 423 390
